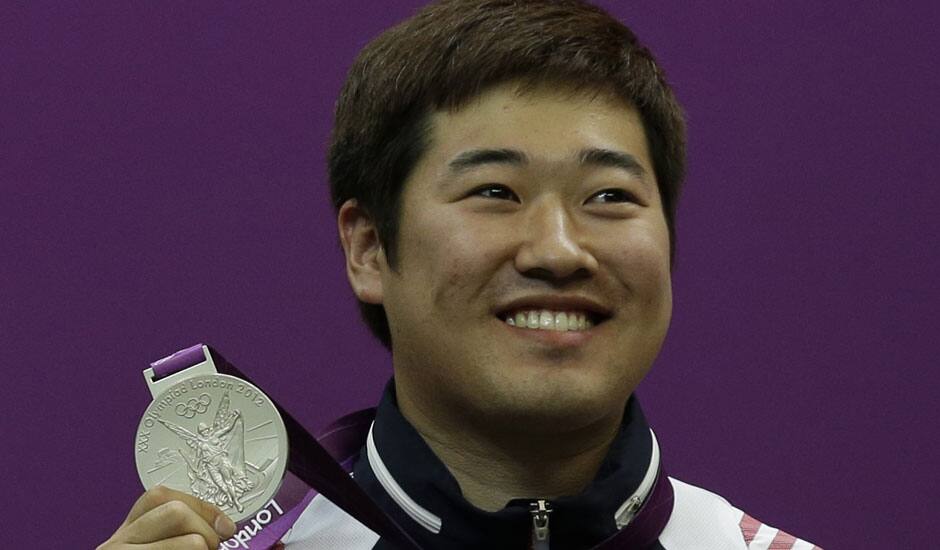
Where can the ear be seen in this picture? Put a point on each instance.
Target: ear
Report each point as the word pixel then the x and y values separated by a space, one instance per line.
pixel 365 257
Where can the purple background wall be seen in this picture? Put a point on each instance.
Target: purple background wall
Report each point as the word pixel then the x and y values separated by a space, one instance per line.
pixel 162 183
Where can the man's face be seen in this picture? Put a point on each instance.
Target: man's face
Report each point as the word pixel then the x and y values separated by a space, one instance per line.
pixel 525 208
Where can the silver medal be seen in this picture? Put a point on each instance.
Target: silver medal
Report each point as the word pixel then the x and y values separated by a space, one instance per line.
pixel 214 436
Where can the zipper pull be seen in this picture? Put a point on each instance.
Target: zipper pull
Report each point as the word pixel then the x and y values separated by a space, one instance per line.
pixel 627 511
pixel 540 510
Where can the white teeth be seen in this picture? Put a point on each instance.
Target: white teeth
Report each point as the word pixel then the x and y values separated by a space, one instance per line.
pixel 533 319
pixel 544 319
pixel 575 321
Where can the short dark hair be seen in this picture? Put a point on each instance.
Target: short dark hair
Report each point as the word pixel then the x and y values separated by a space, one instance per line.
pixel 453 50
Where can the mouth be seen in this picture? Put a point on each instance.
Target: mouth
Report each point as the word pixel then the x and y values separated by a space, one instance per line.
pixel 554 313
pixel 546 319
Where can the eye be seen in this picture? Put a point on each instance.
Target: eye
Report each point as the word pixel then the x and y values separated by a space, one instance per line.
pixel 494 191
pixel 613 195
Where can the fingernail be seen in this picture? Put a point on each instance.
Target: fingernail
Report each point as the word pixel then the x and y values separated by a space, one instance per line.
pixel 224 526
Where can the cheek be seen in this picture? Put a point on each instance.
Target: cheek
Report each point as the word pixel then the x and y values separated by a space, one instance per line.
pixel 644 253
pixel 640 261
pixel 434 255
pixel 465 266
pixel 445 259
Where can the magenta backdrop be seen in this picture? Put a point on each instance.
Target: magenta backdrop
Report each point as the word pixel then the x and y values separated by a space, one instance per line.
pixel 162 177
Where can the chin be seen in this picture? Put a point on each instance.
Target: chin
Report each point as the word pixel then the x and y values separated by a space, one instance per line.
pixel 554 405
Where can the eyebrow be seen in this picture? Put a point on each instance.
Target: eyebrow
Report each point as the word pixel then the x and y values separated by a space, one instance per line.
pixel 613 159
pixel 478 157
pixel 593 157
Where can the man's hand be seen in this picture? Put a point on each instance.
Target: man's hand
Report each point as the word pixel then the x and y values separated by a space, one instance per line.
pixel 164 519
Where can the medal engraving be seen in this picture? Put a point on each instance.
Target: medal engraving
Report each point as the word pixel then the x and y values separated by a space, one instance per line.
pixel 216 437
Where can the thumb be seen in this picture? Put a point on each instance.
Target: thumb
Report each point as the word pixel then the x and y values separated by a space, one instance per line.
pixel 160 495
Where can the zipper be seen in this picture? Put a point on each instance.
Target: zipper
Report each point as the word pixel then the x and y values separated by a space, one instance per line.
pixel 627 511
pixel 540 509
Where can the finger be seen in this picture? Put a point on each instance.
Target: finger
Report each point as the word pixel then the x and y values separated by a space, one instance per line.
pixel 167 521
pixel 160 495
pixel 182 542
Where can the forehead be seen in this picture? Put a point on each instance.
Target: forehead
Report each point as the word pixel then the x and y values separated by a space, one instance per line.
pixel 548 124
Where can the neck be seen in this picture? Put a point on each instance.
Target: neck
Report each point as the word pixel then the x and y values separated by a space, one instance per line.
pixel 494 466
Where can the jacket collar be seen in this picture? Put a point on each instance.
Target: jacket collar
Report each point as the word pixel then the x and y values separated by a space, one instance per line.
pixel 405 477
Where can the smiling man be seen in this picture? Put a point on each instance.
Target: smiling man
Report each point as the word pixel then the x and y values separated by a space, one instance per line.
pixel 529 293
pixel 506 175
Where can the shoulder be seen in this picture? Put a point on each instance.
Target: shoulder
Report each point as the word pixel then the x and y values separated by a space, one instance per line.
pixel 702 519
pixel 324 525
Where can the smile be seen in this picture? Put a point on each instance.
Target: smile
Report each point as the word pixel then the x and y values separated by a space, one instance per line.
pixel 545 319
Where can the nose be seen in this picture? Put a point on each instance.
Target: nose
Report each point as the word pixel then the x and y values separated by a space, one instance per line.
pixel 551 246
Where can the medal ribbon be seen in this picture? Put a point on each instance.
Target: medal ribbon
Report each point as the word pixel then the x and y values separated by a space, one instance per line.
pixel 323 464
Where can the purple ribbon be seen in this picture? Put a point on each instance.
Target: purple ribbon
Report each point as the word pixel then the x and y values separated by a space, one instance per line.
pixel 310 461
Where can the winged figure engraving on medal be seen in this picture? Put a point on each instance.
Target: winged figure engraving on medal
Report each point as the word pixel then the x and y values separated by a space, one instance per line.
pixel 218 472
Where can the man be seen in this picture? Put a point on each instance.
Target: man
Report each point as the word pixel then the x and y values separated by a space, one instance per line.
pixel 506 176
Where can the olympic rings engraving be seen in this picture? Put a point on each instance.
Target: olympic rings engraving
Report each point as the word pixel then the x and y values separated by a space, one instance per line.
pixel 194 406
